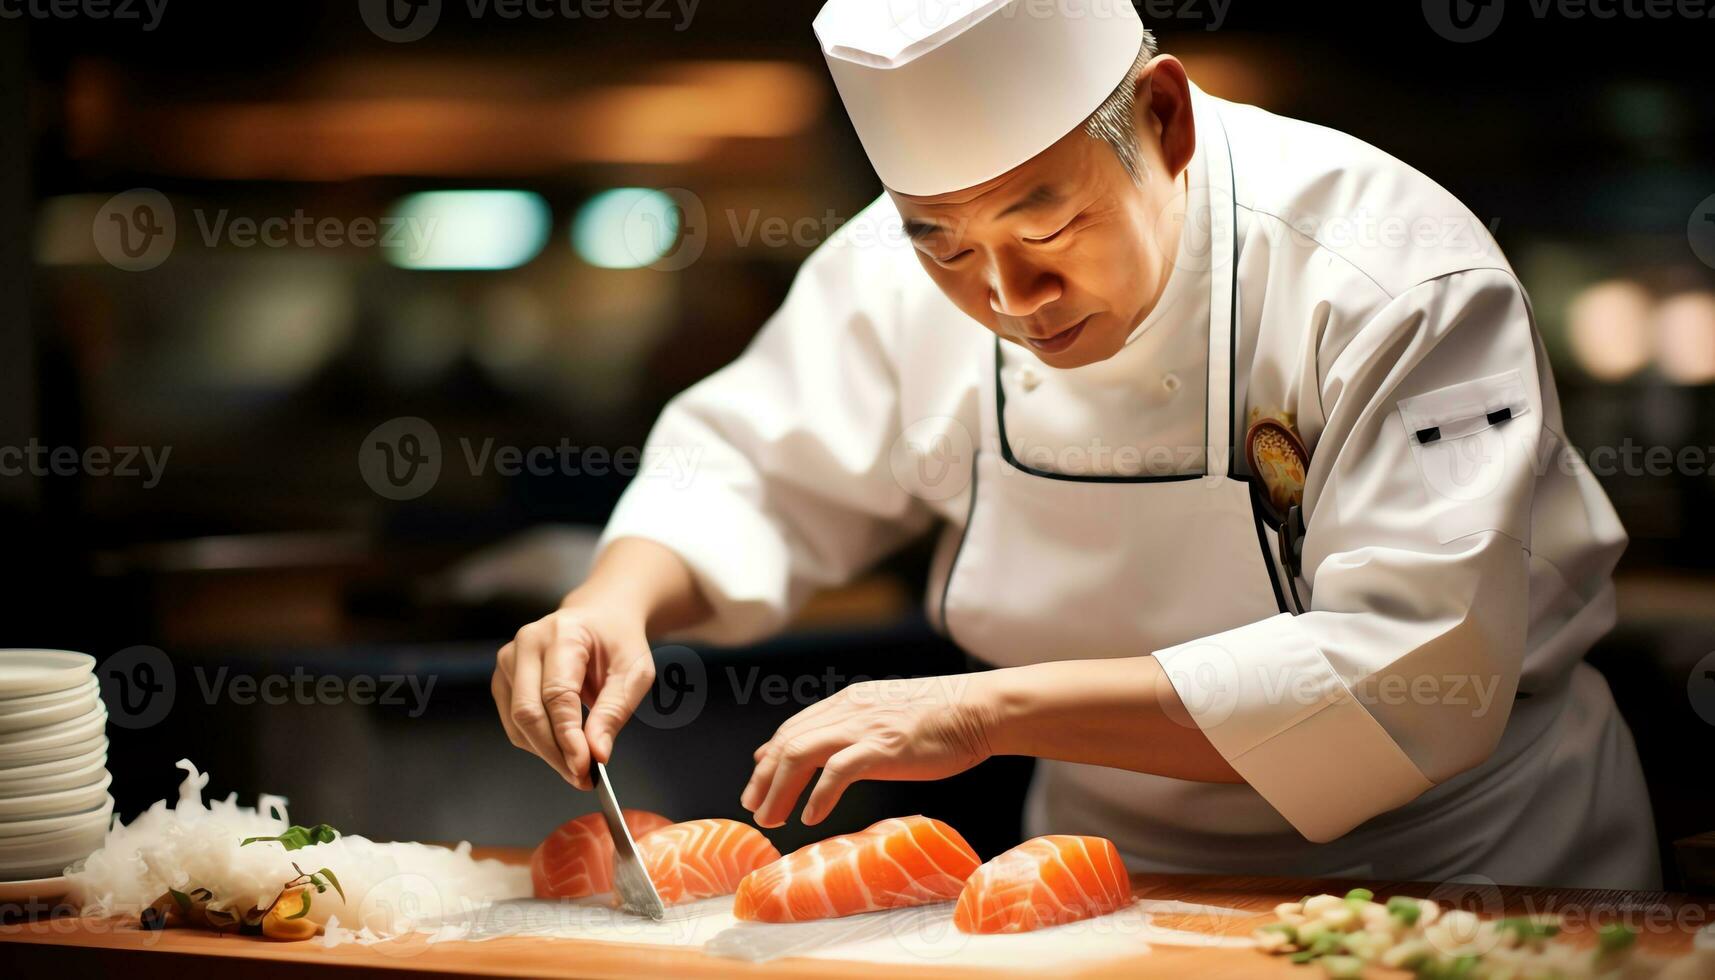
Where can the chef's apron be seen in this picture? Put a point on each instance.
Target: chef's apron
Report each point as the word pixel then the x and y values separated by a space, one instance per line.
pixel 1054 566
pixel 1061 567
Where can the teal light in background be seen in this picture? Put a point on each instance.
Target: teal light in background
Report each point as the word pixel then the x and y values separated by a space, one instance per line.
pixel 467 230
pixel 626 228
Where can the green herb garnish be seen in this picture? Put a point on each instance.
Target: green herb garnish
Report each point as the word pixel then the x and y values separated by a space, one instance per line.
pixel 296 837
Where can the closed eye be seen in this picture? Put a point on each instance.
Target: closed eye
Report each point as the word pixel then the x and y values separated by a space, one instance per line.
pixel 1045 239
pixel 1050 237
pixel 949 260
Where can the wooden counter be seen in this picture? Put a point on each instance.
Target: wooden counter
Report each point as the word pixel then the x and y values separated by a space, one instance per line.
pixel 68 946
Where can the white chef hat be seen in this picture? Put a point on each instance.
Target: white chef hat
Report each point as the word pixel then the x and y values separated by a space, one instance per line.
pixel 945 94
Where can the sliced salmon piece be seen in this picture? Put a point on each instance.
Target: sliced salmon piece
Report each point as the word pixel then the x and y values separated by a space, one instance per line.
pixel 577 859
pixel 703 858
pixel 891 864
pixel 1045 881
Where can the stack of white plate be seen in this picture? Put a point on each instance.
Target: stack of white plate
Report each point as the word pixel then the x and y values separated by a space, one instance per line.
pixel 54 806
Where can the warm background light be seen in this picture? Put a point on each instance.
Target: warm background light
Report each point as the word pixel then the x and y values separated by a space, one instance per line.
pixel 1685 338
pixel 1608 326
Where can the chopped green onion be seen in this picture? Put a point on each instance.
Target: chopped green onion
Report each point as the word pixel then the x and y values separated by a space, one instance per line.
pixel 1328 942
pixel 1360 895
pixel 1529 928
pixel 1343 967
pixel 1614 937
pixel 1404 909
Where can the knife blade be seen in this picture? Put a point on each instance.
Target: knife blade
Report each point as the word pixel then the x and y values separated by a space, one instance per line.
pixel 637 893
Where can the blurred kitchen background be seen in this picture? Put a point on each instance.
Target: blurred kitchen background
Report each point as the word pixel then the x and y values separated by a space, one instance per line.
pixel 620 202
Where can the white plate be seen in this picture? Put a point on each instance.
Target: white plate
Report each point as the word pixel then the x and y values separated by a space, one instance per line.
pixel 95 741
pixel 58 802
pixel 59 741
pixel 46 891
pixel 82 774
pixel 98 816
pixel 53 836
pixel 26 672
pixel 48 854
pixel 40 770
pixel 39 718
pixel 69 727
pixel 89 690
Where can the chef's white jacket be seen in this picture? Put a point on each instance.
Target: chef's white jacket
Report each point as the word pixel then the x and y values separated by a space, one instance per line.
pixel 1375 310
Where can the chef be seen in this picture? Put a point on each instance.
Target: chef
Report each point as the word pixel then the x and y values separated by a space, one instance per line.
pixel 1247 464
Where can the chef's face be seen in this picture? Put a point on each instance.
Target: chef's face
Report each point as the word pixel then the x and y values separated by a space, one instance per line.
pixel 1067 253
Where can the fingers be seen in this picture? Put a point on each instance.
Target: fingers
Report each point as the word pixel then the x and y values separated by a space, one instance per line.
pixel 768 755
pixel 527 710
pixel 815 716
pixel 563 672
pixel 501 688
pixel 843 768
pixel 619 696
pixel 797 760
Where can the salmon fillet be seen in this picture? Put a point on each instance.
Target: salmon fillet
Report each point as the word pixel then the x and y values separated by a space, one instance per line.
pixel 702 858
pixel 577 859
pixel 894 863
pixel 1045 881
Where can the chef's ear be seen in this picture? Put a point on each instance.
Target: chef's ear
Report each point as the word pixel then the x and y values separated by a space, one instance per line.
pixel 1163 107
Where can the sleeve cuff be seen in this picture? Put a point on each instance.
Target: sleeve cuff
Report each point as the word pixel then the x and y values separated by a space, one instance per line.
pixel 1275 709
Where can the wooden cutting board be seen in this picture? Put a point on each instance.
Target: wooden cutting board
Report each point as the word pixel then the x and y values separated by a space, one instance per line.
pixel 66 945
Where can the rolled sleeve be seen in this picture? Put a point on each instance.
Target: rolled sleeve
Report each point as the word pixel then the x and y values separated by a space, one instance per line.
pixel 736 555
pixel 1401 673
pixel 781 483
pixel 1278 712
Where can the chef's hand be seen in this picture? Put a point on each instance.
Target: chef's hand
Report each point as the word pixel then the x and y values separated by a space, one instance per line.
pixel 583 653
pixel 913 729
pixel 593 650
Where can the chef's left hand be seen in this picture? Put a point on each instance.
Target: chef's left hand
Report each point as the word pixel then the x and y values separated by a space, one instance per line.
pixel 911 729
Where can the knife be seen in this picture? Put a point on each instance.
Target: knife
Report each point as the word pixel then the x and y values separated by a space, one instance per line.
pixel 637 893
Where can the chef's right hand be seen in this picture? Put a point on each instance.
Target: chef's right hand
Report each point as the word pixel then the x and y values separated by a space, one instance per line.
pixel 585 653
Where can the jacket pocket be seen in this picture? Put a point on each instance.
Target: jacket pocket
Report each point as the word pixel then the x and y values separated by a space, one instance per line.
pixel 1474 444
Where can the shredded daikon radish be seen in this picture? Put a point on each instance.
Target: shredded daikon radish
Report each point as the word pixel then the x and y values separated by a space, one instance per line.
pixel 388 886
